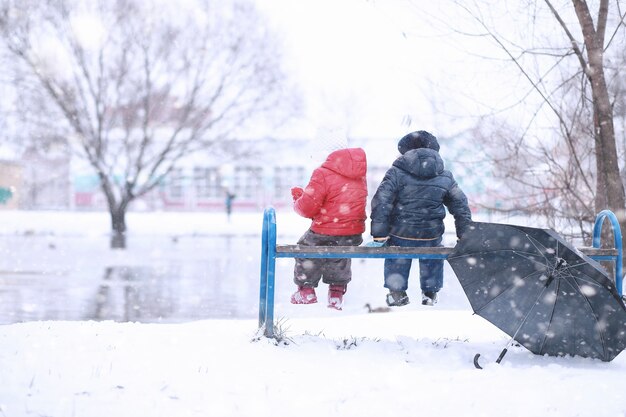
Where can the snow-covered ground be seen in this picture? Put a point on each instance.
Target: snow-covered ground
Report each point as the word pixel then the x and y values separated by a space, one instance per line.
pixel 414 360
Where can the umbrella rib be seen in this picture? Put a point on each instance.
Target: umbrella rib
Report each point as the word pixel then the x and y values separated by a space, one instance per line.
pixel 492 251
pixel 534 261
pixel 545 336
pixel 525 255
pixel 529 311
pixel 584 276
pixel 498 251
pixel 504 291
pixel 536 244
pixel 575 265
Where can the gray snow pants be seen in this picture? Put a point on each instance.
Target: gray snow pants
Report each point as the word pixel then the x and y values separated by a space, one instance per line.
pixel 308 272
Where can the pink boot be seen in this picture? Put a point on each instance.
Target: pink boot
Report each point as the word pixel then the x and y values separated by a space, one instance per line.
pixel 304 295
pixel 335 295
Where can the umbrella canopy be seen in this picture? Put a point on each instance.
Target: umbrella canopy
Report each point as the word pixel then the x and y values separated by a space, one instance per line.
pixel 540 290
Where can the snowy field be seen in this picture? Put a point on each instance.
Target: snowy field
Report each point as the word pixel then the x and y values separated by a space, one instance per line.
pixel 414 360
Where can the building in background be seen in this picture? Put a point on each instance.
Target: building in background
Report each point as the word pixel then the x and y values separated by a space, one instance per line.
pixel 46 178
pixel 11 174
pixel 202 182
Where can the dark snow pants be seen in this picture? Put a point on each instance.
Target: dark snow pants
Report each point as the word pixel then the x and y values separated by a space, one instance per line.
pixel 308 272
pixel 397 270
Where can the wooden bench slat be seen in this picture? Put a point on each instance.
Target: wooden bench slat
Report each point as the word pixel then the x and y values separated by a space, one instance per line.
pixel 443 250
pixel 362 249
pixel 598 251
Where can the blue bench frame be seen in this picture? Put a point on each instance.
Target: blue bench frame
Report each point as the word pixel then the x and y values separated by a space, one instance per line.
pixel 270 251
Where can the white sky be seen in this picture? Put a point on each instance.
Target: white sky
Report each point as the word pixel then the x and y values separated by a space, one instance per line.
pixel 377 66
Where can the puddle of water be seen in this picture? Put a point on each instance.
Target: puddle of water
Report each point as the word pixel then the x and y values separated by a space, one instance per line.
pixel 157 279
pixel 168 279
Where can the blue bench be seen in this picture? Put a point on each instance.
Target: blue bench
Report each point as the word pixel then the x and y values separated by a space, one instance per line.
pixel 270 251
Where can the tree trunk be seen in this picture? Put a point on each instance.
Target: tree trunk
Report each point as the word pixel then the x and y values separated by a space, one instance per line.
pixel 610 193
pixel 118 228
pixel 117 211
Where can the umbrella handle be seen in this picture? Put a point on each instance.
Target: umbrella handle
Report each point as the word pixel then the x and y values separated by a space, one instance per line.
pixel 501 355
pixel 476 364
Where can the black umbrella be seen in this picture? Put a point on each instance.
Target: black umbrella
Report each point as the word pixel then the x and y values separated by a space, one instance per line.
pixel 540 290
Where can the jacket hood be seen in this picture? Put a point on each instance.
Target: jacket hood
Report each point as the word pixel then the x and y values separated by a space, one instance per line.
pixel 416 140
pixel 349 162
pixel 422 163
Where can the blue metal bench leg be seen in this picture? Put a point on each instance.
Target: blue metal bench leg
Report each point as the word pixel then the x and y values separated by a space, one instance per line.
pixel 271 273
pixel 617 235
pixel 264 260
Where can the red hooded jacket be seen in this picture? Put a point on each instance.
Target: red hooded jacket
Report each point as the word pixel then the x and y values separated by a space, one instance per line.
pixel 336 195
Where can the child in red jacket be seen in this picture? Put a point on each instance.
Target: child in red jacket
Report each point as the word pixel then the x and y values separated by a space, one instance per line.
pixel 334 200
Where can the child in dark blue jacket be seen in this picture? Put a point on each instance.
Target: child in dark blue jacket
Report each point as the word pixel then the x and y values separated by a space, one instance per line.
pixel 408 210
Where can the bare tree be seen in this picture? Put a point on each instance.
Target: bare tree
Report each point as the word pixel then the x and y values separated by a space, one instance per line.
pixel 563 172
pixel 137 85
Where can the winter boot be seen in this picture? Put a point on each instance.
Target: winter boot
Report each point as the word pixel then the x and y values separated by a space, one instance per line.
pixel 429 298
pixel 335 295
pixel 304 295
pixel 397 298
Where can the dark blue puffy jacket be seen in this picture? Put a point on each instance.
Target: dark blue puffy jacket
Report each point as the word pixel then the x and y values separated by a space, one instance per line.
pixel 409 202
